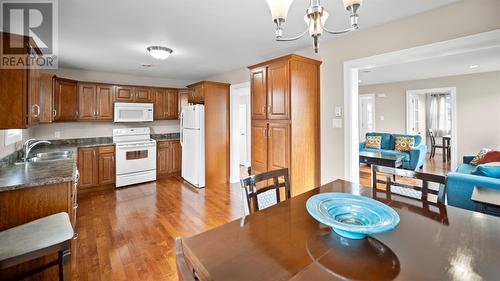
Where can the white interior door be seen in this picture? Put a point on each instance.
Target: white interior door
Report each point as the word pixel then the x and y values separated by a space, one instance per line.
pixel 366 115
pixel 242 134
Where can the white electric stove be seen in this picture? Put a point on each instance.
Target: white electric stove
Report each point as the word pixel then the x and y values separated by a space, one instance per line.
pixel 135 156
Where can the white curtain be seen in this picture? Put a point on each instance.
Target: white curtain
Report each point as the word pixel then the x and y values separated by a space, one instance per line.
pixel 439 113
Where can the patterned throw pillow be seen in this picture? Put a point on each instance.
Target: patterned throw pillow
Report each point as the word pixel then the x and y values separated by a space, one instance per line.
pixel 373 142
pixel 479 156
pixel 492 156
pixel 404 144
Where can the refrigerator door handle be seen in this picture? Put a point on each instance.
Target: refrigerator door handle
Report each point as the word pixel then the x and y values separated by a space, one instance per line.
pixel 182 128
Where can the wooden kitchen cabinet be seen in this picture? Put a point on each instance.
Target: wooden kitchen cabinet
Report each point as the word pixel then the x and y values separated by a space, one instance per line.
pixel 143 94
pixel 95 101
pixel 168 158
pixel 165 104
pixel 183 99
pixel 133 94
pixel 106 165
pixel 258 79
pixel 196 93
pixel 19 88
pixel 65 99
pixel 88 166
pixel 46 97
pixel 285 119
pixel 124 94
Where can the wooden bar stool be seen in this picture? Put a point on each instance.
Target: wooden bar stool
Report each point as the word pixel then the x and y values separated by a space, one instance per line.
pixel 36 239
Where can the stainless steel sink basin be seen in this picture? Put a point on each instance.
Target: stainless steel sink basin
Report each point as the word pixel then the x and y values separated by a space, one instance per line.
pixel 49 156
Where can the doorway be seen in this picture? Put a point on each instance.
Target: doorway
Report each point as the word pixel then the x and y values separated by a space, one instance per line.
pixel 240 132
pixel 366 115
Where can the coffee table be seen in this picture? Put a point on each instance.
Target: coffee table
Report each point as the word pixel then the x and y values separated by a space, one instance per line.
pixel 380 159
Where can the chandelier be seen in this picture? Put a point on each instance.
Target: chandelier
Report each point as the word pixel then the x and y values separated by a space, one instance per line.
pixel 315 19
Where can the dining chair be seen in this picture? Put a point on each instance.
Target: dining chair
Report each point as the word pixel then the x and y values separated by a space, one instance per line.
pixel 39 238
pixel 183 270
pixel 413 184
pixel 263 190
pixel 446 147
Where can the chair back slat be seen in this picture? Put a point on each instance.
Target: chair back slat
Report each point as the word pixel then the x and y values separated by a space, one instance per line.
pixel 432 137
pixel 271 181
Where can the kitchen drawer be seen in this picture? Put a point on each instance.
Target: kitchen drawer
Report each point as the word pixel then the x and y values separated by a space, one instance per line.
pixel 107 149
pixel 161 144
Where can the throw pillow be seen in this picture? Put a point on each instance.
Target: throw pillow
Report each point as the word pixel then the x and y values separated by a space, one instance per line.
pixel 479 156
pixel 373 142
pixel 491 170
pixel 492 156
pixel 404 144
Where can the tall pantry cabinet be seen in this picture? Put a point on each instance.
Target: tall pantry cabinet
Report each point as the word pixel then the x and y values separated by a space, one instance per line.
pixel 285 111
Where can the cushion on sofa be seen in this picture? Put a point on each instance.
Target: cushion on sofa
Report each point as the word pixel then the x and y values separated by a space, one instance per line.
pixel 479 156
pixel 492 156
pixel 385 141
pixel 373 142
pixel 491 170
pixel 404 144
pixel 416 142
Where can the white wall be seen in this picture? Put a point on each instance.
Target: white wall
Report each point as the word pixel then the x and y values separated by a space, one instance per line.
pixel 8 149
pixel 449 22
pixel 478 104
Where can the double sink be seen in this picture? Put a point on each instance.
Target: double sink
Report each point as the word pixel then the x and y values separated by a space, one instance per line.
pixel 49 156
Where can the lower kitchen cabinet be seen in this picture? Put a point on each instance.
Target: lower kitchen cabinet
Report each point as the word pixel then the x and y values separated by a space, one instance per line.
pixel 168 158
pixel 97 168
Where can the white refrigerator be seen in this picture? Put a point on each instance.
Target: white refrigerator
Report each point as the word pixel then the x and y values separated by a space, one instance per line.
pixel 193 144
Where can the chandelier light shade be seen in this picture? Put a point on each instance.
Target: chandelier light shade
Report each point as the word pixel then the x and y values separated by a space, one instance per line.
pixel 315 19
pixel 159 52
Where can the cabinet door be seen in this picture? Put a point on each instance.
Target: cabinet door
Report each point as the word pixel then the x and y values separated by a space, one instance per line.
pixel 164 158
pixel 183 99
pixel 278 154
pixel 124 93
pixel 33 96
pixel 259 146
pixel 159 104
pixel 65 100
pixel 172 104
pixel 88 167
pixel 104 100
pixel 196 94
pixel 278 92
pixel 46 104
pixel 106 168
pixel 176 157
pixel 143 94
pixel 258 89
pixel 86 101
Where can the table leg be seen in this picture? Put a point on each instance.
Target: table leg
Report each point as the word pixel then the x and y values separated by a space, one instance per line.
pixel 374 177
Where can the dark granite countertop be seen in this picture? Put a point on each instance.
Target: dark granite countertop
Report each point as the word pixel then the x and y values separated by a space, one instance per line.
pixel 19 176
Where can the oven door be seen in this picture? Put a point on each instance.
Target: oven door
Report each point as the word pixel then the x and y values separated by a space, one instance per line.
pixel 135 157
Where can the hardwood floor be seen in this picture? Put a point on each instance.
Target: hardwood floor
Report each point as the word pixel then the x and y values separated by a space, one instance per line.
pixel 431 166
pixel 128 234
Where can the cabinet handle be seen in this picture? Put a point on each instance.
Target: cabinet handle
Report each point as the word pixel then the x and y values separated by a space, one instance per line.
pixel 37 110
pixel 263 109
pixel 54 112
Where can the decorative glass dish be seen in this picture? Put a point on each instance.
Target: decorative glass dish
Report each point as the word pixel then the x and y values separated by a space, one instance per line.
pixel 352 216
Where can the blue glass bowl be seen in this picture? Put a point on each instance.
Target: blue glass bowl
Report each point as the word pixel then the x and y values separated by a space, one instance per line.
pixel 352 216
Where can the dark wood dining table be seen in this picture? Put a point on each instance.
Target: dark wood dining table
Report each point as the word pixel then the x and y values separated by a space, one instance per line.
pixel 283 242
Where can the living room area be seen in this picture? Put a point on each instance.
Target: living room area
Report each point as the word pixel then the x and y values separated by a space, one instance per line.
pixel 434 114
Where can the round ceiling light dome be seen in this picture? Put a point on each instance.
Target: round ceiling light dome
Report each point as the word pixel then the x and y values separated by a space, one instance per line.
pixel 159 52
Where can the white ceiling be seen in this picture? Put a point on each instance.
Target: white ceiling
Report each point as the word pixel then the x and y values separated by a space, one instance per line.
pixel 208 37
pixel 486 59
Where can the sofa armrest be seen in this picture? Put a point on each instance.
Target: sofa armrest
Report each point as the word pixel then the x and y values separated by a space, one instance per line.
pixel 467 159
pixel 459 188
pixel 362 145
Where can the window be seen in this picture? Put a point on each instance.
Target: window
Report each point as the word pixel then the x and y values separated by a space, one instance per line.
pixel 13 136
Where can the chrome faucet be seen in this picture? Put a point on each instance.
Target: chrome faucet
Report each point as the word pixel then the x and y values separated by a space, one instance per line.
pixel 27 147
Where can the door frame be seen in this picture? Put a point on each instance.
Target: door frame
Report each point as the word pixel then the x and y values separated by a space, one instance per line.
pixel 234 154
pixel 453 98
pixel 240 107
pixel 351 85
pixel 372 97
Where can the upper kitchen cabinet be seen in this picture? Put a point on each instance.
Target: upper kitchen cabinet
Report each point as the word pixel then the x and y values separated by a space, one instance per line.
pixel 124 93
pixel 133 94
pixel 183 99
pixel 143 94
pixel 46 97
pixel 166 104
pixel 19 88
pixel 285 97
pixel 215 97
pixel 65 99
pixel 95 101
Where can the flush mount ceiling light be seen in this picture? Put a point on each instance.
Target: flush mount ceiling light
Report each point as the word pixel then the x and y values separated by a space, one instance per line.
pixel 159 52
pixel 315 18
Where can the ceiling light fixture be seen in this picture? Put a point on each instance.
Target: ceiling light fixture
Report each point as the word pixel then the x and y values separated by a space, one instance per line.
pixel 474 66
pixel 159 52
pixel 315 18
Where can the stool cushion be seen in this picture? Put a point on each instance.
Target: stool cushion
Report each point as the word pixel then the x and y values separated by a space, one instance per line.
pixel 35 235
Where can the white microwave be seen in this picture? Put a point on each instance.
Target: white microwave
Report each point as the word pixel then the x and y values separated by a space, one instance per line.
pixel 133 112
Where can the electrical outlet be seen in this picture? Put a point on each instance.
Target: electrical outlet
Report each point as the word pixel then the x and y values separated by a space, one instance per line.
pixel 337 123
pixel 57 134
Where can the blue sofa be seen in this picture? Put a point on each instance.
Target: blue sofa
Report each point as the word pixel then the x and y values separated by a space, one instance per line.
pixel 461 183
pixel 412 160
